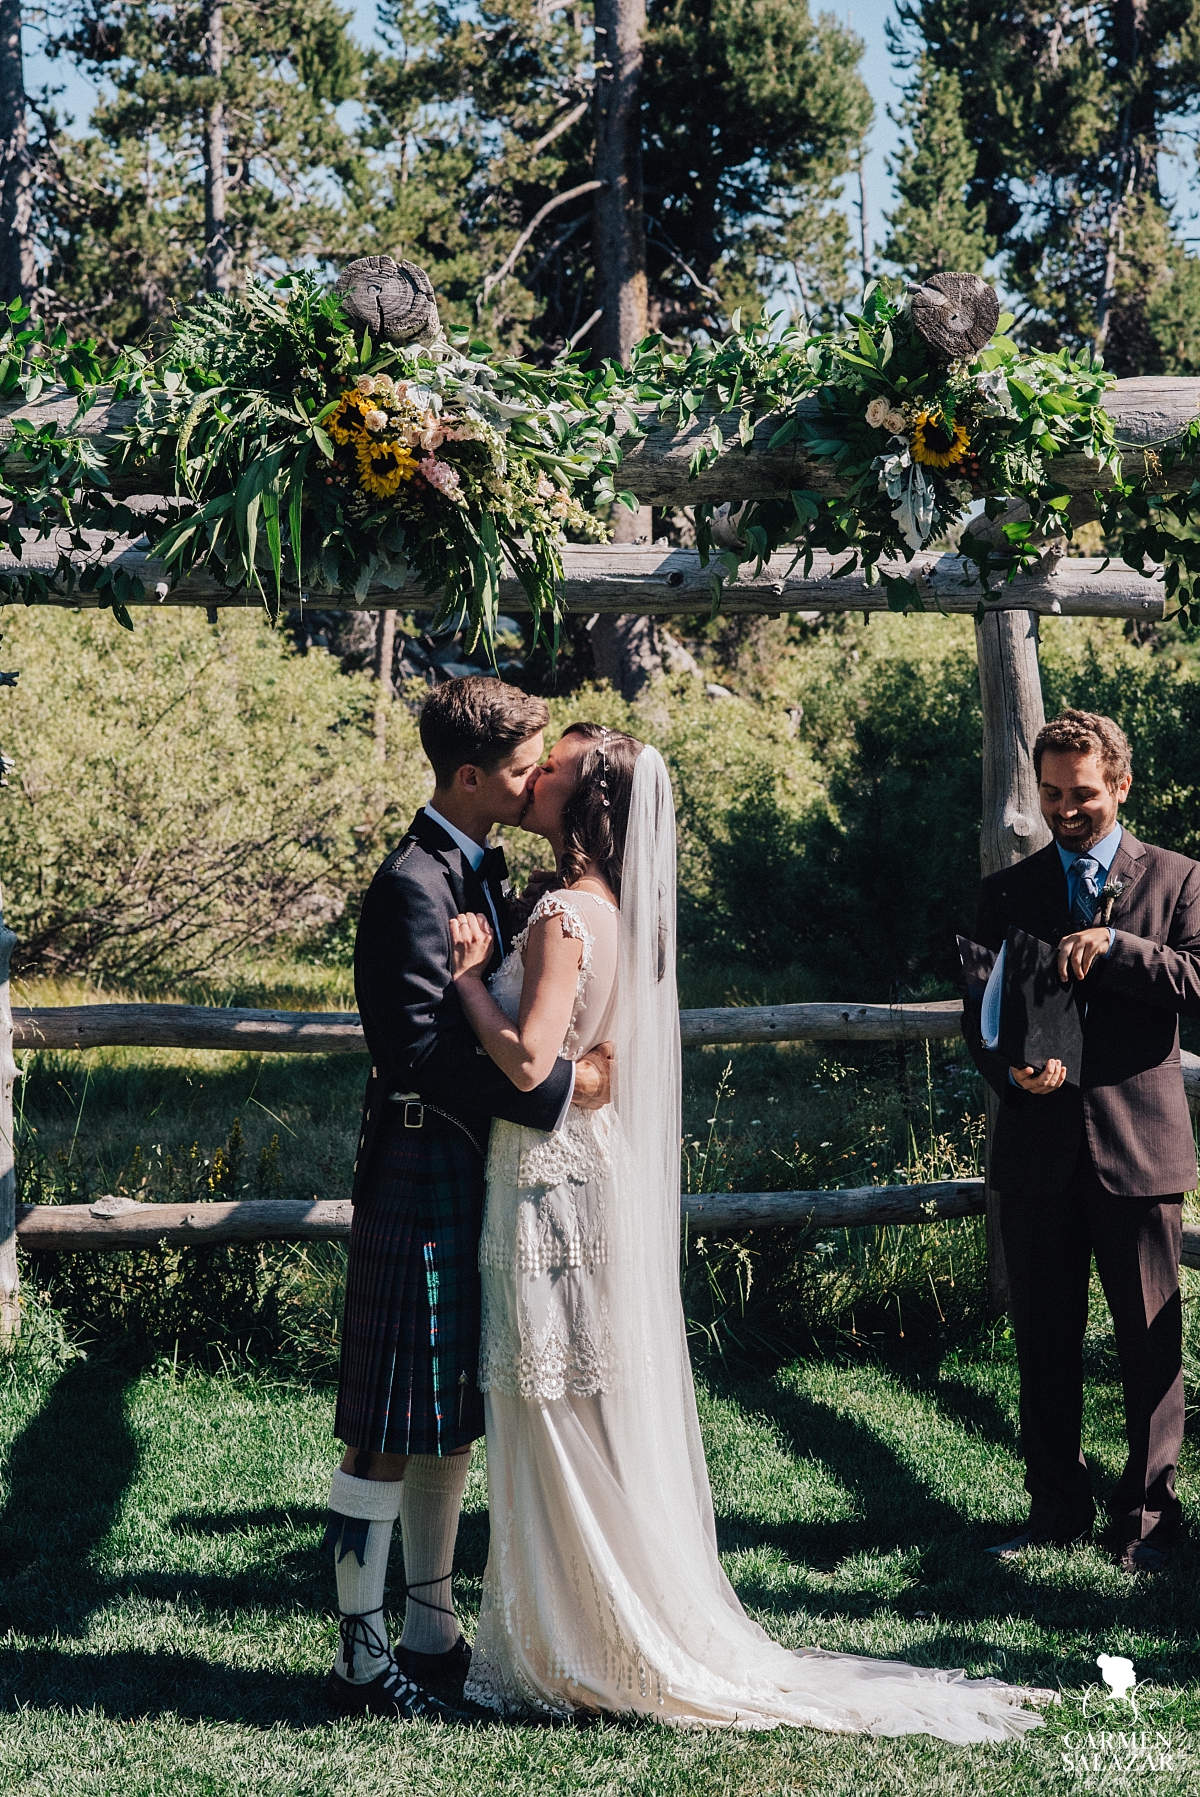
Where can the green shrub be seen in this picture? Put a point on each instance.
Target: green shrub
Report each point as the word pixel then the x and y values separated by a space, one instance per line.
pixel 187 795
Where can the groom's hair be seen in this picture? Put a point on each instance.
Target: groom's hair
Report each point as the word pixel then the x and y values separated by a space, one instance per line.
pixel 477 721
pixel 1086 733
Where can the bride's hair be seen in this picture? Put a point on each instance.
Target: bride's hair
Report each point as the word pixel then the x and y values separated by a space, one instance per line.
pixel 596 816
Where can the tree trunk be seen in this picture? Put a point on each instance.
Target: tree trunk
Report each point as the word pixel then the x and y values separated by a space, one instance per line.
pixel 10 1313
pixel 385 649
pixel 218 260
pixel 1010 691
pixel 18 274
pixel 624 648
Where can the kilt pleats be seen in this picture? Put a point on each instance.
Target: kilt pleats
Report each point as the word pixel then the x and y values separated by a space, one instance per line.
pixel 408 1382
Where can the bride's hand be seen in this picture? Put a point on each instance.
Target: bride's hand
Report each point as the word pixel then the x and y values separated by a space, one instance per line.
pixel 471 942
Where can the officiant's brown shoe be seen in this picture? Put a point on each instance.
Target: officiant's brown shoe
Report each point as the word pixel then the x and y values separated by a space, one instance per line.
pixel 444 1674
pixel 1141 1557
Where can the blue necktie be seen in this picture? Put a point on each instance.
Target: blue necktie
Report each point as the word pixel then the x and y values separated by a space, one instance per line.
pixel 1087 889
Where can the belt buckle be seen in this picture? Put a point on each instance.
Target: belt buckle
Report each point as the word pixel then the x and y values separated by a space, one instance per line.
pixel 410 1105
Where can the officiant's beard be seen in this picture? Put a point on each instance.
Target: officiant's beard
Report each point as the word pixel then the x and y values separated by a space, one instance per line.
pixel 1079 841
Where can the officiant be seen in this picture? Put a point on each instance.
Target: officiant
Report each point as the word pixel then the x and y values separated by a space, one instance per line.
pixel 1097 1168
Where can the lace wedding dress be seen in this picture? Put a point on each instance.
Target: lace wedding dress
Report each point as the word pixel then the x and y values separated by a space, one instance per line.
pixel 604 1590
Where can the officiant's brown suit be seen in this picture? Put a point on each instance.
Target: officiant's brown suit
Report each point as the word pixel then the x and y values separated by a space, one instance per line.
pixel 1100 1168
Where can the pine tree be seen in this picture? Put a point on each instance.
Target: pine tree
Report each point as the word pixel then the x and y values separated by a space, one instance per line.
pixel 1067 110
pixel 752 115
pixel 217 153
pixel 934 228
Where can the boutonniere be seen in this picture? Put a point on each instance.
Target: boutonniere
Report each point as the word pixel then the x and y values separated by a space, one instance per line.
pixel 1106 901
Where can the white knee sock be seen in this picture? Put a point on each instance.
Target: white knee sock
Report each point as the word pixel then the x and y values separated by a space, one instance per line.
pixel 433 1488
pixel 374 1505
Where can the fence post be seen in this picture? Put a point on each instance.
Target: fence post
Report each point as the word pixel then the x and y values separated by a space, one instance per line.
pixel 10 1314
pixel 1010 691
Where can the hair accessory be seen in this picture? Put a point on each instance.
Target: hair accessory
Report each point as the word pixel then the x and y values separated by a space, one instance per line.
pixel 604 734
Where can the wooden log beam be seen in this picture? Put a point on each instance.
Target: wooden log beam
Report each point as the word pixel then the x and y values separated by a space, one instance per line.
pixel 1149 410
pixel 113 1225
pixel 187 1026
pixel 630 578
pixel 318 1032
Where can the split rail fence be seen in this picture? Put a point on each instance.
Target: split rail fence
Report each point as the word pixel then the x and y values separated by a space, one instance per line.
pixel 656 580
pixel 113 1223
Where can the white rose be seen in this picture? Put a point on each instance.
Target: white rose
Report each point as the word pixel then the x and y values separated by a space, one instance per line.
pixel 877 411
pixel 365 383
pixel 375 420
pixel 895 424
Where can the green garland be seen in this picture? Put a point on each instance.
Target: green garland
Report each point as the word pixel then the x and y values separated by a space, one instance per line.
pixel 302 459
pixel 308 459
pixel 915 442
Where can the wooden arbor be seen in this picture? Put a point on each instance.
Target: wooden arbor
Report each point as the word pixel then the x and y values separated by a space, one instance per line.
pixel 662 581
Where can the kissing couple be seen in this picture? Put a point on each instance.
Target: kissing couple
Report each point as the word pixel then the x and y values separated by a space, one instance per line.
pixel 514 1272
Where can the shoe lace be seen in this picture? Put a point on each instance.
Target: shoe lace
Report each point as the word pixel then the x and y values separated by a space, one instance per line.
pixel 357 1632
pixel 420 1585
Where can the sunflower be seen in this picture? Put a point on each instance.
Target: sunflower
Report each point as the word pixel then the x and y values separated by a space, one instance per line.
pixel 340 427
pixel 936 443
pixel 382 466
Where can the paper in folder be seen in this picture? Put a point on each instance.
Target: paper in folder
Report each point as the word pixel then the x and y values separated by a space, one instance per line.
pixel 1027 1015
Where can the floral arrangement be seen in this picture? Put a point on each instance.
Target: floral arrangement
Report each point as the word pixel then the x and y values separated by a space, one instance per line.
pixel 302 457
pixel 914 439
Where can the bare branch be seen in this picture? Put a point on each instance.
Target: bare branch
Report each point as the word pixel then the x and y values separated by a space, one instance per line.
pixel 552 205
pixel 564 124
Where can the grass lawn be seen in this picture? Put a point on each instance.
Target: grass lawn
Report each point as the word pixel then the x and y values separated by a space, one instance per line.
pixel 166 1617
pixel 165 1620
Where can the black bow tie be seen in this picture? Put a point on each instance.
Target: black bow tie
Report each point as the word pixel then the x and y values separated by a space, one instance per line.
pixel 493 869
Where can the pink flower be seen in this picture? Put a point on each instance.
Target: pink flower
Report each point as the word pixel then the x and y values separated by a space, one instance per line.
pixel 439 474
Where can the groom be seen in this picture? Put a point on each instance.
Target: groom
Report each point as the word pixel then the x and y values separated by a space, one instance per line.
pixel 408 1404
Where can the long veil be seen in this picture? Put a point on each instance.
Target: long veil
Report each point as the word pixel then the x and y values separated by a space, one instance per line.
pixel 678 1643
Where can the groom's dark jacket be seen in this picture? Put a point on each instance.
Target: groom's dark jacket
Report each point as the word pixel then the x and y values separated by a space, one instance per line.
pixel 1130 1103
pixel 418 1037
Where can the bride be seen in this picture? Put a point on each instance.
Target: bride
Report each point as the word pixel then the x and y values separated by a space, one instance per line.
pixel 604 1590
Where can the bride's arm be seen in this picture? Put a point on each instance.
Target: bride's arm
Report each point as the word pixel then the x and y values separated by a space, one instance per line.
pixel 525 1050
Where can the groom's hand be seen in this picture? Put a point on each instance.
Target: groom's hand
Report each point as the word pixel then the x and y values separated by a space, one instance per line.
pixel 593 1078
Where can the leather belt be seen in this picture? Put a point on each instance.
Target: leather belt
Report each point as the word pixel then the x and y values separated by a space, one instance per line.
pixel 415 1108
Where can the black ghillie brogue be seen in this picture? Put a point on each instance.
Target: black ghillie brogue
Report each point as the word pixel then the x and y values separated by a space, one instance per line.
pixel 444 1674
pixel 391 1692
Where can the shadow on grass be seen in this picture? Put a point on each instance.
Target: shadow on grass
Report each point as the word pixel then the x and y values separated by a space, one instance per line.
pixel 69 1470
pixel 134 1685
pixel 243 1522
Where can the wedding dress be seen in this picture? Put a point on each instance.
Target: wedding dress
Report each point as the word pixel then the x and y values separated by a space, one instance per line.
pixel 604 1590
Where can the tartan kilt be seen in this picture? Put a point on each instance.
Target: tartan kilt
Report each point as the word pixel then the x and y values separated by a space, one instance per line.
pixel 409 1376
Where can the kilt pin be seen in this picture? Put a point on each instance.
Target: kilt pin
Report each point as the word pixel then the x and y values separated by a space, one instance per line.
pixel 408 1380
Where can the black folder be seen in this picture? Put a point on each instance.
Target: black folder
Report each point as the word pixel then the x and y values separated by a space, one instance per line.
pixel 1040 1018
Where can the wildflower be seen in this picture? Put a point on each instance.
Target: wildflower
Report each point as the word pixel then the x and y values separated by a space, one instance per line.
pixel 382 466
pixel 895 423
pixel 545 487
pixel 877 412
pixel 375 420
pixel 936 443
pixel 440 475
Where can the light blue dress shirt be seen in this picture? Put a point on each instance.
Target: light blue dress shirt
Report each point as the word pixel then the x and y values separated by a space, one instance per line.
pixel 1104 852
